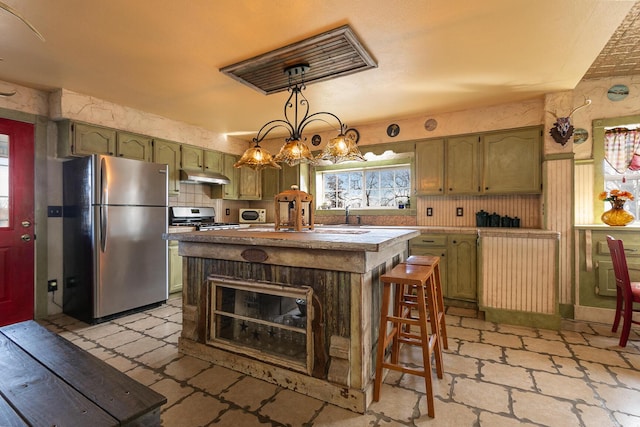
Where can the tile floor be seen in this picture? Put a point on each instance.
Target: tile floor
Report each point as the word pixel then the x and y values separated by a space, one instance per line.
pixel 495 375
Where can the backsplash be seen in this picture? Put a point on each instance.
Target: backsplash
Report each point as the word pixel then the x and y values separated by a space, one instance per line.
pixel 193 195
pixel 200 195
pixel 444 210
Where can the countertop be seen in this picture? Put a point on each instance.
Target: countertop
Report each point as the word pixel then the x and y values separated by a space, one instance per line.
pixel 332 238
pixel 606 227
pixel 515 232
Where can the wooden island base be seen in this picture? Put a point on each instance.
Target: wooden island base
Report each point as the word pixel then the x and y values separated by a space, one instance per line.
pixel 246 293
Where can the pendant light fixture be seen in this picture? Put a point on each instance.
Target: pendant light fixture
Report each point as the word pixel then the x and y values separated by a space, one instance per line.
pixel 297 117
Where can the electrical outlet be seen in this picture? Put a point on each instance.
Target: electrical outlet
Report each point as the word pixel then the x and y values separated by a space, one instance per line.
pixel 52 285
pixel 54 211
pixel 459 211
pixel 227 211
pixel 429 211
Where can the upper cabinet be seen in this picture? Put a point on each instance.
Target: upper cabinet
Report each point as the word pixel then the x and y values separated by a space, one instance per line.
pixel 213 161
pixel 270 183
pixel 134 146
pixel 430 167
pixel 250 187
pixel 79 139
pixel 196 158
pixel 505 162
pixel 192 158
pixel 463 165
pixel 169 152
pixel 513 162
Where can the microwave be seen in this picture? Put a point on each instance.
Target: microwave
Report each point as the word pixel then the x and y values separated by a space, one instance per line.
pixel 256 216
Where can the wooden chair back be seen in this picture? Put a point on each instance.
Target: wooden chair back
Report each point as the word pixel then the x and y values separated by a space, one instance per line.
pixel 620 269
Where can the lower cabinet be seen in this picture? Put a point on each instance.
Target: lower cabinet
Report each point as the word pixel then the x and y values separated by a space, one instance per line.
pixel 597 281
pixel 175 268
pixel 458 263
pixel 462 267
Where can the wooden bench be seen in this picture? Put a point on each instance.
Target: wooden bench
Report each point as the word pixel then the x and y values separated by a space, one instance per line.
pixel 47 381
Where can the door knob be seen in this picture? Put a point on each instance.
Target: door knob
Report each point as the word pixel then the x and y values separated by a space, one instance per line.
pixel 25 237
pixel 26 224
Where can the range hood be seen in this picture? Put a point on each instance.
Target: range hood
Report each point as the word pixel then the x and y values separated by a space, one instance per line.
pixel 200 177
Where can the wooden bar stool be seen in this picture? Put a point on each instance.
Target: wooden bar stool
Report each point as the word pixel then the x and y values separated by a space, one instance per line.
pixel 435 261
pixel 422 277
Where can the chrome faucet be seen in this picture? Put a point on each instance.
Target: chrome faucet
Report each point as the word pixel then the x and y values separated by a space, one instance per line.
pixel 346 214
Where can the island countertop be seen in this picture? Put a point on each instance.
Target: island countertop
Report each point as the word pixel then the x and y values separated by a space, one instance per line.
pixel 343 239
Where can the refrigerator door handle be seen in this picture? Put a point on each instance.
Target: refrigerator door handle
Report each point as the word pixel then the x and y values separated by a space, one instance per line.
pixel 104 193
pixel 103 228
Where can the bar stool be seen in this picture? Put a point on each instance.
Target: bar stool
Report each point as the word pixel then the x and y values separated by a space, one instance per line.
pixel 435 261
pixel 422 277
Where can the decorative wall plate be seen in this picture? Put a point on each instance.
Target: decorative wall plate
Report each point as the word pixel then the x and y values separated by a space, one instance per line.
pixel 580 135
pixel 430 124
pixel 617 92
pixel 353 134
pixel 316 140
pixel 393 130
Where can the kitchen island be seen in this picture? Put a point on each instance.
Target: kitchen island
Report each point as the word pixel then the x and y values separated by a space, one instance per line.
pixel 297 309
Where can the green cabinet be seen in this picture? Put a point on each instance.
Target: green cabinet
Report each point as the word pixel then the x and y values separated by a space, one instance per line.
pixel 79 139
pixel 430 167
pixel 246 183
pixel 270 183
pixel 169 153
pixel 274 181
pixel 462 267
pixel 213 161
pixel 133 146
pixel 200 159
pixel 192 158
pixel 250 185
pixel 458 263
pixel 175 267
pixel 504 162
pixel 231 191
pixel 512 160
pixel 463 165
pixel 597 286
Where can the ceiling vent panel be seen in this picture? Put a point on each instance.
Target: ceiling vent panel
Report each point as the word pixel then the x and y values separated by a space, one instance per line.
pixel 332 54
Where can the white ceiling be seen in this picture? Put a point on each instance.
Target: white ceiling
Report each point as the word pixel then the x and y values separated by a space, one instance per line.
pixel 433 56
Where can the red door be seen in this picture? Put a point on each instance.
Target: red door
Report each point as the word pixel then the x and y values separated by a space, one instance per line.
pixel 16 222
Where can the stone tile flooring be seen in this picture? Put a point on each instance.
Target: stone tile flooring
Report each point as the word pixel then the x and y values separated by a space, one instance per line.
pixel 495 375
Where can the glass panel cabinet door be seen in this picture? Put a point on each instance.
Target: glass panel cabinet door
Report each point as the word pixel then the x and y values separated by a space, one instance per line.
pixel 268 321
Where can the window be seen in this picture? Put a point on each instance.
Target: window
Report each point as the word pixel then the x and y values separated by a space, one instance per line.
pixel 4 180
pixel 628 181
pixel 363 188
pixel 620 146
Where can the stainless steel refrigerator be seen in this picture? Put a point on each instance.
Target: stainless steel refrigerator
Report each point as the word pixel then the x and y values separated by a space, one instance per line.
pixel 114 260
